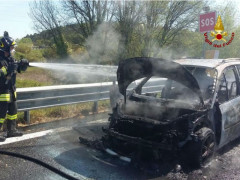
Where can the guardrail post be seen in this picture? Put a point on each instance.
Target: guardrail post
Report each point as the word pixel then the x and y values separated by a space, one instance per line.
pixel 95 107
pixel 27 116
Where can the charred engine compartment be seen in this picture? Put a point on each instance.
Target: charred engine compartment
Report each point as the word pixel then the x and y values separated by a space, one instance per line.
pixel 161 132
pixel 136 128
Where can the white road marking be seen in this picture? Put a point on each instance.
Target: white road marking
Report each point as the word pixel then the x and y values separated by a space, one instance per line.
pixel 46 132
pixel 100 121
pixel 32 135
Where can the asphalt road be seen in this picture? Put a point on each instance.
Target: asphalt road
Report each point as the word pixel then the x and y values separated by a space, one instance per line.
pixel 60 148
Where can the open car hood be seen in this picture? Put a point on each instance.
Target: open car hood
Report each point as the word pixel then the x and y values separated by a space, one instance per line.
pixel 132 69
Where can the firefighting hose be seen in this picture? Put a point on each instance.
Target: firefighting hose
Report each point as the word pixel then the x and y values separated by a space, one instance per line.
pixel 39 162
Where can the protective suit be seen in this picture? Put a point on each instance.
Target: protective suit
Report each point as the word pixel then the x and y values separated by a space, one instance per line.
pixel 8 70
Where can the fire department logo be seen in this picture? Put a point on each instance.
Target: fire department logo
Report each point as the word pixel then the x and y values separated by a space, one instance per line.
pixel 219 29
pixel 218 35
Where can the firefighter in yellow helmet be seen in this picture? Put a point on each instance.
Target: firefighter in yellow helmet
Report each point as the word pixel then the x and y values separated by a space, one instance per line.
pixel 8 69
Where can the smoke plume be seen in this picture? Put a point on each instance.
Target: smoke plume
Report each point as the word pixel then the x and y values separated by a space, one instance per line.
pixel 102 47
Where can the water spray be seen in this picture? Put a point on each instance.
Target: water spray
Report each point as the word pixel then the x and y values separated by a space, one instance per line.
pixel 88 69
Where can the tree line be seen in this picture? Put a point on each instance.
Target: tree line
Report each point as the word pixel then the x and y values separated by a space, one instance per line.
pixel 104 32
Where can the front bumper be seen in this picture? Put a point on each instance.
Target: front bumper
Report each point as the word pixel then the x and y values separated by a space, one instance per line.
pixel 139 141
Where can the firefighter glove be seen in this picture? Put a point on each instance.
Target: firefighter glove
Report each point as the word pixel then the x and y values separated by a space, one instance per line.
pixel 22 65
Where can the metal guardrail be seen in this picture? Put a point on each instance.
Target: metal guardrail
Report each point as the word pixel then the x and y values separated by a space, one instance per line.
pixel 51 96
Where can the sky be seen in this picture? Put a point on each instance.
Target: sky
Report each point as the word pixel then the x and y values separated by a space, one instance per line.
pixel 14 18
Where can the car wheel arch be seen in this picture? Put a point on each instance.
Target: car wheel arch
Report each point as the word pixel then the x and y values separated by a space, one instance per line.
pixel 203 122
pixel 192 152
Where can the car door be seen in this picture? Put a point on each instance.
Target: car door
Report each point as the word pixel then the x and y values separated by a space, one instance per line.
pixel 229 100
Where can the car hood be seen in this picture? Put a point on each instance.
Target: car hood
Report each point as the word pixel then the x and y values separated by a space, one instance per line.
pixel 132 69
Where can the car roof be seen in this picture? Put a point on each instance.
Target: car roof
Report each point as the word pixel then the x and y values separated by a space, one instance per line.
pixel 211 63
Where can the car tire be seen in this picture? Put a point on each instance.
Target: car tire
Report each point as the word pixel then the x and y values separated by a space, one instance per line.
pixel 199 152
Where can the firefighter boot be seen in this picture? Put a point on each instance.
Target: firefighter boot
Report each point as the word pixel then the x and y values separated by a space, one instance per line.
pixel 2 138
pixel 11 129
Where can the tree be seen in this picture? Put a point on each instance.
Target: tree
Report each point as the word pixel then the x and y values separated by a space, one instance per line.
pixel 129 17
pixel 87 15
pixel 153 16
pixel 90 19
pixel 154 23
pixel 179 15
pixel 46 16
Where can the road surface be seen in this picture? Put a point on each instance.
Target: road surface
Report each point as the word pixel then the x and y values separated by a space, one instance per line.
pixel 60 147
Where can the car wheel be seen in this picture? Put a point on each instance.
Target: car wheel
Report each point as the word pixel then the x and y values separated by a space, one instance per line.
pixel 199 152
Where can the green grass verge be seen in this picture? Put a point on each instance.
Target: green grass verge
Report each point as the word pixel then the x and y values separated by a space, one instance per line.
pixel 64 112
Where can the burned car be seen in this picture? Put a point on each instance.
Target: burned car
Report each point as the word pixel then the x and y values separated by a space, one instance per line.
pixel 186 108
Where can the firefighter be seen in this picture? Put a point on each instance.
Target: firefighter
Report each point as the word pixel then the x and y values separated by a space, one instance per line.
pixel 8 69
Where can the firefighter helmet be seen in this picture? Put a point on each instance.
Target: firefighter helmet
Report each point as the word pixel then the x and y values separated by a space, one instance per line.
pixel 7 42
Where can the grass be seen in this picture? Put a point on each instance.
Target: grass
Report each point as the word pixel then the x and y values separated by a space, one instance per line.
pixel 34 77
pixel 63 112
pixel 39 77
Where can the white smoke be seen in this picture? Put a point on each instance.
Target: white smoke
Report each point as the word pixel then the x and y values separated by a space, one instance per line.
pixel 102 47
pixel 168 53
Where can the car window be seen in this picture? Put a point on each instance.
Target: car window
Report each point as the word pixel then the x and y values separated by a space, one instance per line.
pixel 228 86
pixel 206 78
pixel 168 89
